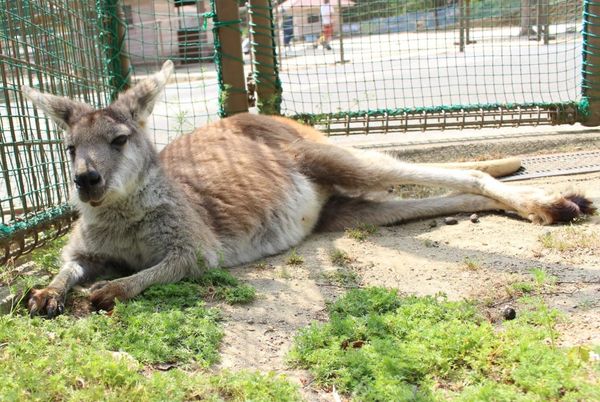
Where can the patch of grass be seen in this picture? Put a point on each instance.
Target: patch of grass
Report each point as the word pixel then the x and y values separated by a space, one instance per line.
pixel 339 257
pixel 571 238
pixel 341 277
pixel 113 357
pixel 380 346
pixel 221 285
pixel 471 264
pixel 48 257
pixel 67 359
pixel 294 259
pixel 540 280
pixel 46 260
pixel 521 288
pixel 362 231
pixel 167 324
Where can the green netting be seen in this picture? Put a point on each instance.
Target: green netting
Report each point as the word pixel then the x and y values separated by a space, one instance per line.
pixel 182 31
pixel 91 50
pixel 52 47
pixel 390 56
pixel 264 52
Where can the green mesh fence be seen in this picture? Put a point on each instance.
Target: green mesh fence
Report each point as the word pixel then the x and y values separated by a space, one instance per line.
pixel 180 31
pixel 52 48
pixel 396 59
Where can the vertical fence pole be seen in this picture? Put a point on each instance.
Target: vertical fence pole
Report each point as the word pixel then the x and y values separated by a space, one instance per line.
pixel 461 40
pixel 112 37
pixel 233 97
pixel 340 24
pixel 591 63
pixel 266 74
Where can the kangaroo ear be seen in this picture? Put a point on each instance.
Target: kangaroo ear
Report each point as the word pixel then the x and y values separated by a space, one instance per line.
pixel 138 101
pixel 63 111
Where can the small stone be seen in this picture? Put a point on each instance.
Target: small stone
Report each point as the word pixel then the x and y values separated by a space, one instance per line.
pixel 433 223
pixel 474 218
pixel 509 313
pixel 450 221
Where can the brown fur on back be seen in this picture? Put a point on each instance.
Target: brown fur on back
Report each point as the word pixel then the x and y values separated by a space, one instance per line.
pixel 239 170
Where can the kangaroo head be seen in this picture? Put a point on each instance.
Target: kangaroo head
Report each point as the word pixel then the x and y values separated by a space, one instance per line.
pixel 109 148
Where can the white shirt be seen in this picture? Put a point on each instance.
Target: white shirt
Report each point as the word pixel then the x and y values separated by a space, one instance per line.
pixel 326 13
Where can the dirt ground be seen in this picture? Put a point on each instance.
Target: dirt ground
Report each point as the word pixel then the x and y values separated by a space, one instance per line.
pixel 466 260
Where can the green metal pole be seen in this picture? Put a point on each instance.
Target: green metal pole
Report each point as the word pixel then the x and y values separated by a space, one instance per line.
pixel 112 37
pixel 591 63
pixel 266 74
pixel 233 96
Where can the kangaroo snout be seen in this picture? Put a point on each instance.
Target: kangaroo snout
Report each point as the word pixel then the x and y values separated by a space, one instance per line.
pixel 90 187
pixel 87 180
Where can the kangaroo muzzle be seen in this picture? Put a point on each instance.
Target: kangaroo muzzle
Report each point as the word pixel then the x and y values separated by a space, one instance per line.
pixel 90 187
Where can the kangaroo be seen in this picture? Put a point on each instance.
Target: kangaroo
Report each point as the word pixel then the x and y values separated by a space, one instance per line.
pixel 239 189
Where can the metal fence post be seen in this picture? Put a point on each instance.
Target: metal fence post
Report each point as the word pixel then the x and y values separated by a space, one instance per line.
pixel 112 37
pixel 266 74
pixel 591 61
pixel 233 97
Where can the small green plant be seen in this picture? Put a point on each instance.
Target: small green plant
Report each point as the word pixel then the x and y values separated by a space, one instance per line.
pixel 380 346
pixel 294 259
pixel 362 231
pixel 542 278
pixel 471 264
pixel 48 257
pixel 342 277
pixel 181 121
pixel 261 265
pixel 521 288
pixel 221 285
pixel 340 258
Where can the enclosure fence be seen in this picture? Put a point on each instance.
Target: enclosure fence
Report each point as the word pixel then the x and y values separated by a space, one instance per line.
pixel 346 66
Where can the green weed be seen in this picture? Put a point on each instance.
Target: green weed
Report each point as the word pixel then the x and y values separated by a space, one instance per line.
pixel 340 258
pixel 48 257
pixel 221 285
pixel 380 346
pixel 471 264
pixel 341 277
pixel 362 231
pixel 294 259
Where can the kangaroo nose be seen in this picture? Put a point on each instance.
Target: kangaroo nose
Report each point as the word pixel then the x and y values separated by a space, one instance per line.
pixel 88 179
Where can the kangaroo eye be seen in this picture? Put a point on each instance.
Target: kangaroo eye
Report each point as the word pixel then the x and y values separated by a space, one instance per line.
pixel 71 151
pixel 119 141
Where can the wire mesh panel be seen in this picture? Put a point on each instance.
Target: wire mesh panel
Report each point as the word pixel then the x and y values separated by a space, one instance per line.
pixel 430 63
pixel 52 47
pixel 89 50
pixel 179 30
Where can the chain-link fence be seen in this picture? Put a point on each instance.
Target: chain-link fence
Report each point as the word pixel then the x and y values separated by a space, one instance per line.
pixel 394 65
pixel 53 48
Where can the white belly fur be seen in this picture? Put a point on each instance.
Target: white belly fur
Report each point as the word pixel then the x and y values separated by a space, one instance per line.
pixel 284 228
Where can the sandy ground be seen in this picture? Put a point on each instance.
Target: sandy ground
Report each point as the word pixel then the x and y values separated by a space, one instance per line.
pixel 416 259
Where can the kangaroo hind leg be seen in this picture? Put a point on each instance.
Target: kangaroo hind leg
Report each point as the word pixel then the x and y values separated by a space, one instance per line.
pixel 369 171
pixel 342 212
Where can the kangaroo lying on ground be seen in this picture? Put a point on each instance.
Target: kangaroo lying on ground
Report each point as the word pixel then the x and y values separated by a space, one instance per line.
pixel 242 188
